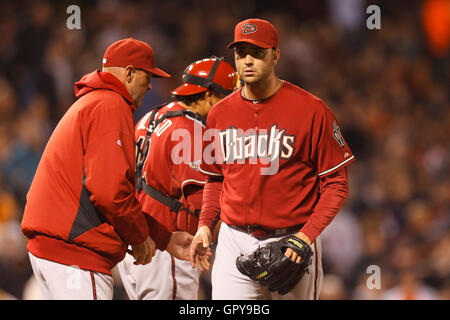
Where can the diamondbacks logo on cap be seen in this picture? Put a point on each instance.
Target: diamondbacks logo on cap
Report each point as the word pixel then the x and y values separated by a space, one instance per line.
pixel 248 28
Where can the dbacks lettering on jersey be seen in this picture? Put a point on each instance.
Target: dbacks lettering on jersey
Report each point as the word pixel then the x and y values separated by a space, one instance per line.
pixel 238 145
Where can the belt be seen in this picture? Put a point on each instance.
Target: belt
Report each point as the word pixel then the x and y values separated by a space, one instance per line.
pixel 261 232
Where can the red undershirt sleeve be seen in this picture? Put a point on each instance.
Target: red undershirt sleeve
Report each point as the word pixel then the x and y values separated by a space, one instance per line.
pixel 194 196
pixel 210 213
pixel 333 194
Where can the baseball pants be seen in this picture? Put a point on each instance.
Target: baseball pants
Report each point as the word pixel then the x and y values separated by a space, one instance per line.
pixel 164 278
pixel 62 282
pixel 229 284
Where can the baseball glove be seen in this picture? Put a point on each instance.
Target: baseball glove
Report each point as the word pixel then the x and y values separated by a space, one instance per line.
pixel 272 269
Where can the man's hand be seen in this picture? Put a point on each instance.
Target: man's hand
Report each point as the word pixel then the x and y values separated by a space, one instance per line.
pixel 144 252
pixel 271 268
pixel 179 245
pixel 291 254
pixel 200 251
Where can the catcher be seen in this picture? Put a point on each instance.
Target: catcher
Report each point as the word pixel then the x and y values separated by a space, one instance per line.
pixel 278 175
pixel 169 183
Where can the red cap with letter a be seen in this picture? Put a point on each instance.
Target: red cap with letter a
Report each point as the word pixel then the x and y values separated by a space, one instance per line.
pixel 132 52
pixel 255 31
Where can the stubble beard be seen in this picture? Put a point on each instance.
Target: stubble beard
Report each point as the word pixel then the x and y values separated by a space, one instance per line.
pixel 256 81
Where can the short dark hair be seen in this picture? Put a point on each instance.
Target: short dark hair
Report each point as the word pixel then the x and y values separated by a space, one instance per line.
pixel 191 99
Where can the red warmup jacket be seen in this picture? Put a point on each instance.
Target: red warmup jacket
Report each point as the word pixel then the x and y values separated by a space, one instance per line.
pixel 81 208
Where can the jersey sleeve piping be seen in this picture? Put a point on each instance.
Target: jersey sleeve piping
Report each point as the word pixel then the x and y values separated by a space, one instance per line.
pixel 336 167
pixel 210 173
pixel 192 181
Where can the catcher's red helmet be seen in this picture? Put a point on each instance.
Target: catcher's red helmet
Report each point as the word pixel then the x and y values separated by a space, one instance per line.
pixel 208 74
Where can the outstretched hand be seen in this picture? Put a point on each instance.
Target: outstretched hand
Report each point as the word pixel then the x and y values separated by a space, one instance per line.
pixel 200 251
pixel 143 252
pixel 179 245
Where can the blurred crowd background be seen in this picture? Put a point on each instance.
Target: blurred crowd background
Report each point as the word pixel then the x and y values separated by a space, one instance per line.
pixel 389 89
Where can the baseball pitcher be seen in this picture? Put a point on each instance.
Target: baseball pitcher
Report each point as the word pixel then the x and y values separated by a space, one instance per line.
pixel 276 168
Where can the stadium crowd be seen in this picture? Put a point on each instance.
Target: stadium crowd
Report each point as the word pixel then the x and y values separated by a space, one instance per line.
pixel 387 87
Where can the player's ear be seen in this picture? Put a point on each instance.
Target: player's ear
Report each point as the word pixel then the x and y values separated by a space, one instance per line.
pixel 129 73
pixel 209 97
pixel 275 55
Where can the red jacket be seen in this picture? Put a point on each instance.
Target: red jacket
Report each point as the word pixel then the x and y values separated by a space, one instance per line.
pixel 81 207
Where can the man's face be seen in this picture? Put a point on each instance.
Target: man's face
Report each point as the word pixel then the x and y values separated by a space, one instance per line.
pixel 253 63
pixel 138 85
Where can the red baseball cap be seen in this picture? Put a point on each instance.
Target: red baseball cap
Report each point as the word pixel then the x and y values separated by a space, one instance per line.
pixel 133 52
pixel 256 31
